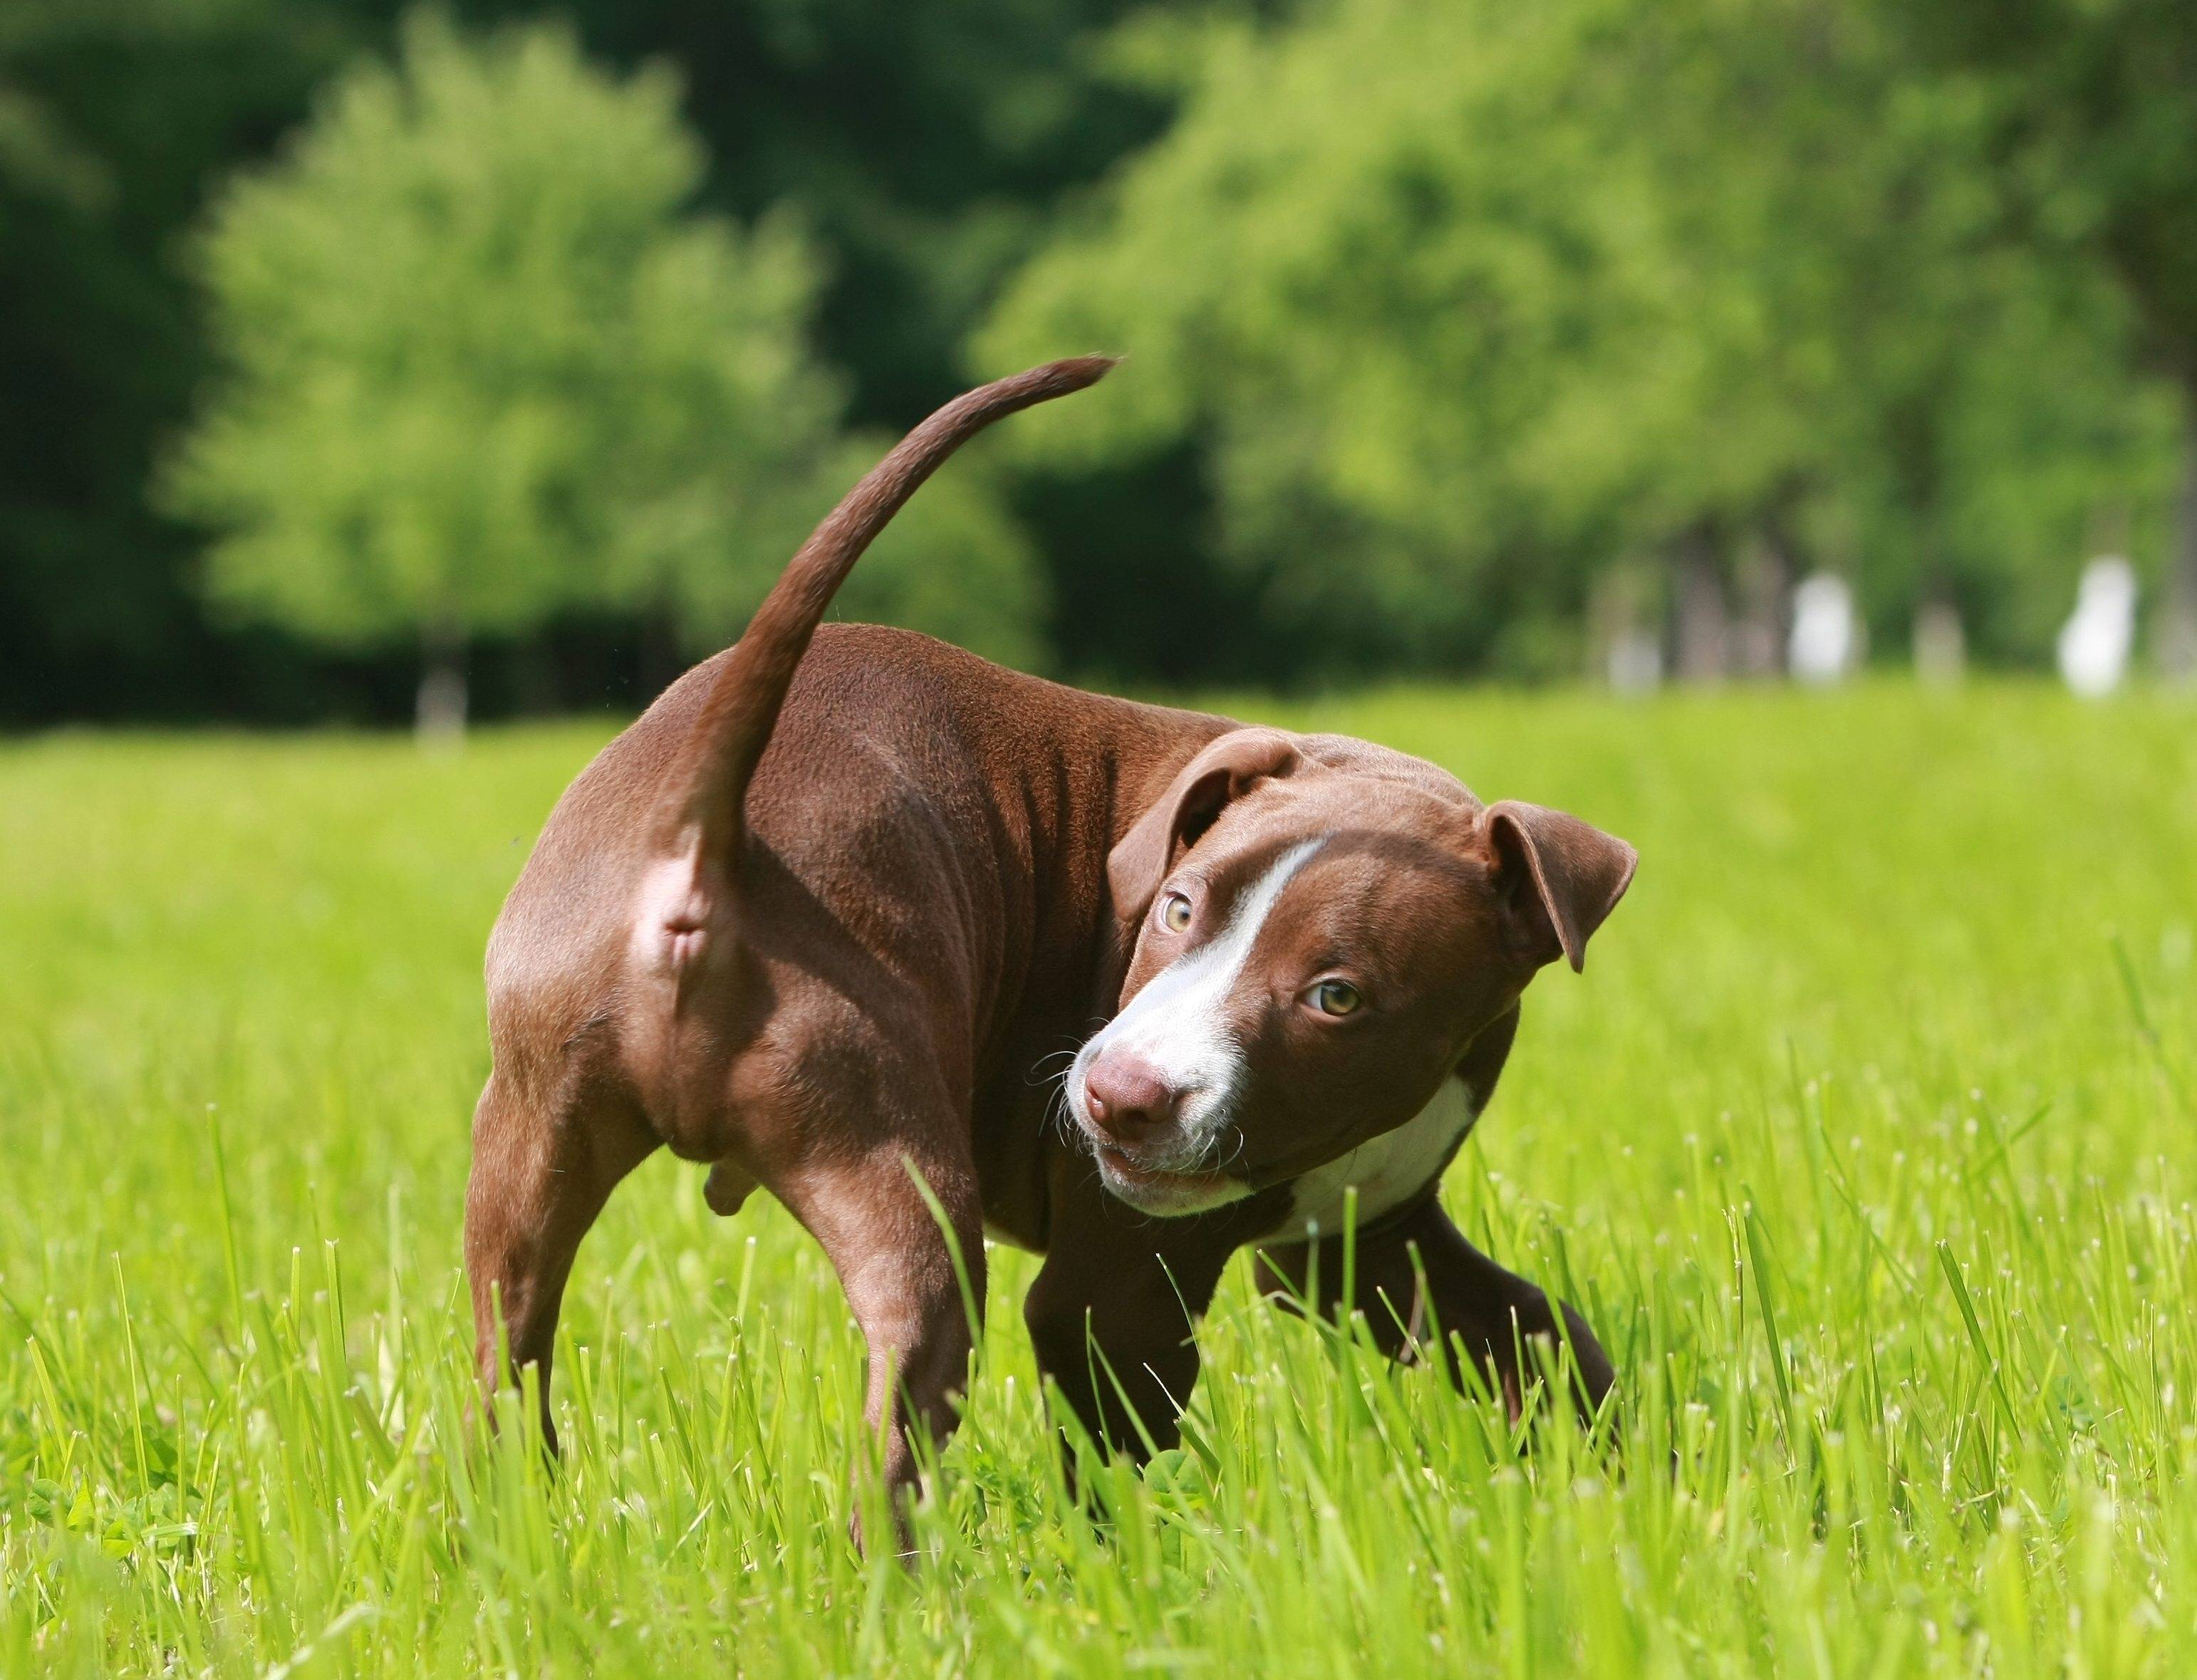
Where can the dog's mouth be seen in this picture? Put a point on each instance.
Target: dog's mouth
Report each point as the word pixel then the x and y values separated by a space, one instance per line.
pixel 1182 1186
pixel 1153 1190
pixel 1120 1165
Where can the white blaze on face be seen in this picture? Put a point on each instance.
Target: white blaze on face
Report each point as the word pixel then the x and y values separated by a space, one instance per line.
pixel 1178 1023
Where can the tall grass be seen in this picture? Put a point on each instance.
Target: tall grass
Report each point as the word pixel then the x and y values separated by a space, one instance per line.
pixel 1866 1142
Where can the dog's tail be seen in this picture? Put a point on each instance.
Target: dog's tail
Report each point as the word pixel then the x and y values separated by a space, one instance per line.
pixel 743 704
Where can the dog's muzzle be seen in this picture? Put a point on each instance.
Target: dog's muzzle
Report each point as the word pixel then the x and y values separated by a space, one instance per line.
pixel 1132 1118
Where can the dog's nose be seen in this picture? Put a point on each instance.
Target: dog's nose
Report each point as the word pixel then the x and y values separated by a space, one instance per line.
pixel 1128 1098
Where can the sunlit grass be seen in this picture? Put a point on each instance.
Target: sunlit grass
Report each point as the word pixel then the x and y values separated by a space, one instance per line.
pixel 1868 1144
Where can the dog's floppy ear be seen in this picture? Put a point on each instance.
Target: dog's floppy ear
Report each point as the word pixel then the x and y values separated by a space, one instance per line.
pixel 1224 770
pixel 1561 876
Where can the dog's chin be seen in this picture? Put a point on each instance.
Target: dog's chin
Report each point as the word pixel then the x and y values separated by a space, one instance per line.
pixel 1164 1195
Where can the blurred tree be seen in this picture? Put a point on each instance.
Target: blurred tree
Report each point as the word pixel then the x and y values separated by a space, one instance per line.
pixel 929 148
pixel 479 367
pixel 1970 397
pixel 112 117
pixel 922 146
pixel 1471 301
pixel 1444 309
pixel 2094 113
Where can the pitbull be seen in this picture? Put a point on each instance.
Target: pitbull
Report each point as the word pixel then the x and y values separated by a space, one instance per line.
pixel 824 916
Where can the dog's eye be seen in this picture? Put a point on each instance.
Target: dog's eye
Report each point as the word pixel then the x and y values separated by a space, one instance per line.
pixel 1174 912
pixel 1335 997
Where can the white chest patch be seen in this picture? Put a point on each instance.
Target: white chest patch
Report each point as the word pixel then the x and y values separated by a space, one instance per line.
pixel 1386 1171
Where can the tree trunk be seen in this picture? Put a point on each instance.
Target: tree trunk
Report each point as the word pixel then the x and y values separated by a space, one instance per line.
pixel 439 715
pixel 2177 645
pixel 1624 636
pixel 1704 625
pixel 1756 641
pixel 1941 643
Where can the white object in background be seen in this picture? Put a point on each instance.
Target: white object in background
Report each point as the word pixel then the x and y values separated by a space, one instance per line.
pixel 1941 646
pixel 439 721
pixel 1826 640
pixel 2096 641
pixel 1636 662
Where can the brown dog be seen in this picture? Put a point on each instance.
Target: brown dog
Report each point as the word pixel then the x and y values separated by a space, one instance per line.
pixel 821 920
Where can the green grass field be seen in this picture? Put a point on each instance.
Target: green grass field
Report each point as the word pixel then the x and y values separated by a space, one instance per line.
pixel 1867 1141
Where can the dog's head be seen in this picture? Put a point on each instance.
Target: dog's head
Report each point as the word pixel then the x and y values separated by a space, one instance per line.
pixel 1317 929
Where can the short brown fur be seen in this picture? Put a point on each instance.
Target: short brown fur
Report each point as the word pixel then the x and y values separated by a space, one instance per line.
pixel 822 914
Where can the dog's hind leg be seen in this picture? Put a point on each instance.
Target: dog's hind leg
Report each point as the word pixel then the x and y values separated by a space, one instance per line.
pixel 1419 1275
pixel 870 1216
pixel 541 1172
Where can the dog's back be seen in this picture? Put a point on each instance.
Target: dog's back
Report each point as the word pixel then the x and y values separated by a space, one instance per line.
pixel 666 963
pixel 924 822
pixel 817 918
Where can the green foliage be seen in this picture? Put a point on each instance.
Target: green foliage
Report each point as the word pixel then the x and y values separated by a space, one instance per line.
pixel 113 116
pixel 480 365
pixel 1452 319
pixel 2094 114
pixel 1859 1142
pixel 1469 300
pixel 918 150
pixel 954 563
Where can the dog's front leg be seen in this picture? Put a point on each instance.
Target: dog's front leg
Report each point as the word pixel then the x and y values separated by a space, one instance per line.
pixel 898 1266
pixel 1113 1324
pixel 1421 1274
